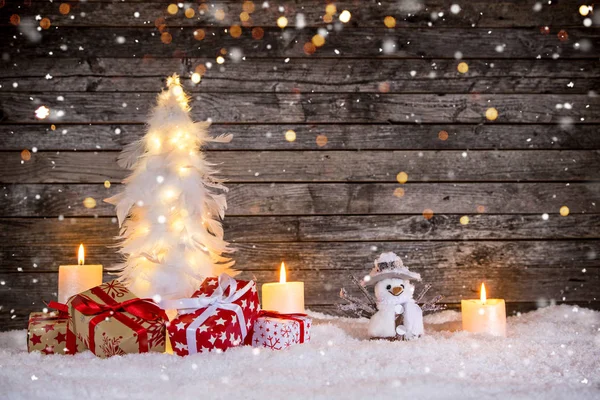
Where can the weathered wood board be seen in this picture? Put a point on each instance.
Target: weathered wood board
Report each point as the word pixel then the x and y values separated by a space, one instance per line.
pixel 42 200
pixel 113 108
pixel 330 166
pixel 413 136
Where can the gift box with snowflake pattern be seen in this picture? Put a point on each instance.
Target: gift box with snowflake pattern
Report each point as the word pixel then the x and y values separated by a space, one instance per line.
pixel 110 320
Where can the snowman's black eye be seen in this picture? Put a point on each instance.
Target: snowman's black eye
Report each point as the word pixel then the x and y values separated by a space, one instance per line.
pixel 388 287
pixel 402 286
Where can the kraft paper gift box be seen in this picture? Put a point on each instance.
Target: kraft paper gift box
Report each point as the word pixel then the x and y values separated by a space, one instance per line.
pixel 110 320
pixel 48 332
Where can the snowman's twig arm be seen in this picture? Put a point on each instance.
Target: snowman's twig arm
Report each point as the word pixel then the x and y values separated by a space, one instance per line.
pixel 355 303
pixel 422 293
pixel 365 292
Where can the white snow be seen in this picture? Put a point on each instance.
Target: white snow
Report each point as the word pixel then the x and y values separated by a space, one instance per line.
pixel 552 353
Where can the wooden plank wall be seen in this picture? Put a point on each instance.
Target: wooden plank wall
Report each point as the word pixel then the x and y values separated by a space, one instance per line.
pixel 328 203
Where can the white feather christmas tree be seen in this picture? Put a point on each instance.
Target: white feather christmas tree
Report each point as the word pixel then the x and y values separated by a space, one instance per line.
pixel 171 206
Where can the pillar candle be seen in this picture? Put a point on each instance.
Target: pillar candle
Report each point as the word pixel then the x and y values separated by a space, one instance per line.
pixel 283 297
pixel 484 315
pixel 74 279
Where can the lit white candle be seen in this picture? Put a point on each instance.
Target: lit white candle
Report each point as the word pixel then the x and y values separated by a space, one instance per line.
pixel 284 297
pixel 484 315
pixel 74 279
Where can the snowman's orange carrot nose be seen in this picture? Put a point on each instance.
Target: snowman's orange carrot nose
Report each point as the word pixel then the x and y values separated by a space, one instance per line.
pixel 397 290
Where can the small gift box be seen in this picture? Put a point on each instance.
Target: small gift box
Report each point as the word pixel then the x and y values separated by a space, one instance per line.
pixel 218 316
pixel 110 320
pixel 277 331
pixel 48 332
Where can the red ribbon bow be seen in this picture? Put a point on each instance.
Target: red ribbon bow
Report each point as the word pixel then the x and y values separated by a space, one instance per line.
pixel 142 308
pixel 63 312
pixel 292 317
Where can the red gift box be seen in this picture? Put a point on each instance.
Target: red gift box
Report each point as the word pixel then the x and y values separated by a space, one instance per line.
pixel 277 331
pixel 218 316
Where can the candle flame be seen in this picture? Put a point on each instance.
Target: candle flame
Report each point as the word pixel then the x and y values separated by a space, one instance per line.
pixel 80 255
pixel 282 276
pixel 483 294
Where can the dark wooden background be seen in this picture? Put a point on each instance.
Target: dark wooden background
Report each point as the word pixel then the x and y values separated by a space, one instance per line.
pixel 329 210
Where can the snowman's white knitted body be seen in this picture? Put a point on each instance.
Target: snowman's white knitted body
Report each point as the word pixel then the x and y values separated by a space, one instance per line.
pixel 395 297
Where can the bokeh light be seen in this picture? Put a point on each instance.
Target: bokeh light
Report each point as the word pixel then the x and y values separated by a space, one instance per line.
pixel 491 114
pixel 282 22
pixel 389 21
pixel 318 40
pixel 89 202
pixel 321 140
pixel 463 67
pixel 64 8
pixel 464 220
pixel 172 9
pixel 45 23
pixel 199 34
pixel 290 135
pixel 443 135
pixel 427 213
pixel 258 33
pixel 345 16
pixel 235 31
pixel 562 35
pixel 564 211
pixel 402 177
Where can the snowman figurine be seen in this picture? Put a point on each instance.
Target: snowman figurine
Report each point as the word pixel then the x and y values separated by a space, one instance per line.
pixel 394 295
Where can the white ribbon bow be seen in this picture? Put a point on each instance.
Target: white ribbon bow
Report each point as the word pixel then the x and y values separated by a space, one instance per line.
pixel 214 302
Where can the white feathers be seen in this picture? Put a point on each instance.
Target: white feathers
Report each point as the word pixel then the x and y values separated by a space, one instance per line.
pixel 130 154
pixel 171 205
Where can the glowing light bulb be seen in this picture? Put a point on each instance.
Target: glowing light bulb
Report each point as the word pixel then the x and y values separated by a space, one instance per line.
pixel 196 77
pixel 177 91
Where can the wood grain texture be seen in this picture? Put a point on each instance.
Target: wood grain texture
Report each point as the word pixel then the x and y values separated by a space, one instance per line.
pixel 344 257
pixel 350 42
pixel 308 108
pixel 299 75
pixel 99 233
pixel 504 13
pixel 26 291
pixel 330 166
pixel 339 137
pixel 39 200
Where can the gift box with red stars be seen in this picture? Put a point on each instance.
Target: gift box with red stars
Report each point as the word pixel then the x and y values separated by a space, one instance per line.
pixel 218 316
pixel 279 331
pixel 48 333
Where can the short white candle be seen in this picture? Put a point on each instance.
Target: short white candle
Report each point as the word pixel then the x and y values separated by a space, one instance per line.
pixel 484 315
pixel 74 279
pixel 283 297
